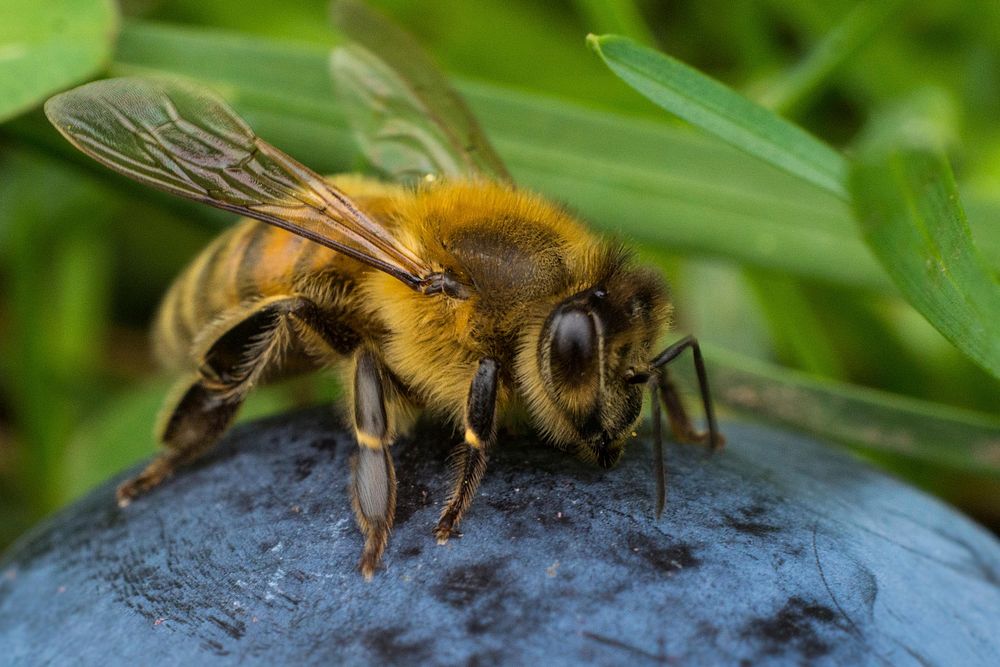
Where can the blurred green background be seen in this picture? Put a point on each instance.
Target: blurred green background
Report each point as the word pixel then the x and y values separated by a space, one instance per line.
pixel 802 325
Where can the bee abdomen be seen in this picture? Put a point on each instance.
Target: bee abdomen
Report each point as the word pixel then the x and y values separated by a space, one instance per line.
pixel 246 263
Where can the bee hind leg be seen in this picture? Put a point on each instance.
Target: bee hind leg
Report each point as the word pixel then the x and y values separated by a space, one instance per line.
pixel 373 478
pixel 197 421
pixel 471 455
pixel 203 406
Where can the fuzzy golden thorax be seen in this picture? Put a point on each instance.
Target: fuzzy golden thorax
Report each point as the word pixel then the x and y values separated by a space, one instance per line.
pixel 516 252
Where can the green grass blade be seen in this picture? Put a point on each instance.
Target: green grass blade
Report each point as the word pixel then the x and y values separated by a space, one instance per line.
pixel 954 453
pixel 47 46
pixel 653 181
pixel 912 219
pixel 799 335
pixel 867 419
pixel 717 109
pixel 621 17
pixel 837 47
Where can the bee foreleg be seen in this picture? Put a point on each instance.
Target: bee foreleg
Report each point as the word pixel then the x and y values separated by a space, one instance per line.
pixel 203 406
pixel 680 423
pixel 373 484
pixel 659 474
pixel 472 454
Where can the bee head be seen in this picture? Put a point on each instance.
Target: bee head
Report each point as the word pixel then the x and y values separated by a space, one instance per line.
pixel 583 360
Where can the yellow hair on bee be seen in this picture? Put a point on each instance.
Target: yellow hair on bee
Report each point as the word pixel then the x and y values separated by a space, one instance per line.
pixel 513 247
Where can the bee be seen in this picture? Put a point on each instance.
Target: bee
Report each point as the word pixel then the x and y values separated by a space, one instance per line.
pixel 462 295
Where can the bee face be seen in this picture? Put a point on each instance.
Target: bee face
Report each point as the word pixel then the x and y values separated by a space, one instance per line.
pixel 588 347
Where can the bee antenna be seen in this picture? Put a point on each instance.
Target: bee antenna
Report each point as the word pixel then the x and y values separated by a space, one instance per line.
pixel 659 473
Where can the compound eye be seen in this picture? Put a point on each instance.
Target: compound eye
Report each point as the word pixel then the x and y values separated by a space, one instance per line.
pixel 574 345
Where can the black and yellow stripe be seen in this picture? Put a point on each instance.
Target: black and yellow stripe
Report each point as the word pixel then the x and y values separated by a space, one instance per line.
pixel 249 262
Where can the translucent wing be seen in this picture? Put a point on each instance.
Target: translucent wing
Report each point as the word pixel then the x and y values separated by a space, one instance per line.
pixel 187 141
pixel 408 121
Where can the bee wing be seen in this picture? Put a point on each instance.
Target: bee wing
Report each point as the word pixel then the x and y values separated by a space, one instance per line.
pixel 180 138
pixel 408 121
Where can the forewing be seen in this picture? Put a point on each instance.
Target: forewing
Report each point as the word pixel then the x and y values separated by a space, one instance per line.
pixel 182 139
pixel 408 121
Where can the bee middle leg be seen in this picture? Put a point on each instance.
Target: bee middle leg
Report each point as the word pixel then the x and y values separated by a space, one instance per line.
pixel 206 404
pixel 472 454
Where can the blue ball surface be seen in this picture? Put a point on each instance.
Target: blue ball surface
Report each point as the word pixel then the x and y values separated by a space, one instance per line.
pixel 776 550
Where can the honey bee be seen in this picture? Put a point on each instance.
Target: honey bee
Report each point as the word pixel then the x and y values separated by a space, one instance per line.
pixel 463 295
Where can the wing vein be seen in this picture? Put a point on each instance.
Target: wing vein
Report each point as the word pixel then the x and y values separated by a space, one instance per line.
pixel 187 141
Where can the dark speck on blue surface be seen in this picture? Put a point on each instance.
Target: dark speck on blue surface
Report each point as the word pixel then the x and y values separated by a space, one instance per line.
pixel 753 520
pixel 800 626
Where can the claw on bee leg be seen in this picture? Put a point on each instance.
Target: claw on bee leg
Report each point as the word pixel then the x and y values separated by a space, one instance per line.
pixel 374 500
pixel 470 465
pixel 151 477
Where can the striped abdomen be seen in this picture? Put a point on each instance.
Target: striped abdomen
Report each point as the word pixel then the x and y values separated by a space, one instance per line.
pixel 249 262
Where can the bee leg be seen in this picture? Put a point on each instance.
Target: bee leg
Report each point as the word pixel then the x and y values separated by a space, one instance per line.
pixel 471 455
pixel 659 471
pixel 209 401
pixel 373 479
pixel 680 423
pixel 196 422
